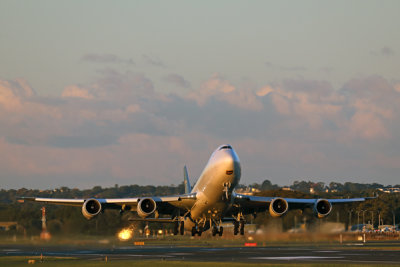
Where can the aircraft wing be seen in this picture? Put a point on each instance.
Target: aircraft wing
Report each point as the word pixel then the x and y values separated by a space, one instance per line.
pixel 164 203
pixel 57 201
pixel 251 204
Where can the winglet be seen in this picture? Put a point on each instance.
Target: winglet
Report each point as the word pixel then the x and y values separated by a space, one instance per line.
pixel 186 181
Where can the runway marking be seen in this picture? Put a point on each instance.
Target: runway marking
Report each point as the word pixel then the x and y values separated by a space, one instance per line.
pixel 85 251
pixel 11 250
pixel 180 254
pixel 355 244
pixel 294 258
pixel 72 254
pixel 133 255
pixel 326 251
pixel 351 254
pixel 143 255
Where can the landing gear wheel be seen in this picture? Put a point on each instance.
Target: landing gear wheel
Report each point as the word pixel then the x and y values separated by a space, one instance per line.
pixel 242 228
pixel 181 228
pixel 221 230
pixel 200 231
pixel 194 231
pixel 214 231
pixel 176 225
pixel 235 227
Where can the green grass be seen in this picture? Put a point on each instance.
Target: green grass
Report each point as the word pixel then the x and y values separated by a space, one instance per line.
pixel 56 261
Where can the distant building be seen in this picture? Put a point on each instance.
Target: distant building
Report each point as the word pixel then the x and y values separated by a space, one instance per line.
pixel 248 191
pixel 390 190
pixel 7 225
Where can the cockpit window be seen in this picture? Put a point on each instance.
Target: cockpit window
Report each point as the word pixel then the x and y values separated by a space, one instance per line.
pixel 225 147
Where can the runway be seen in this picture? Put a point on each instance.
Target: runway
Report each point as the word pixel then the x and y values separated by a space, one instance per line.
pixel 277 254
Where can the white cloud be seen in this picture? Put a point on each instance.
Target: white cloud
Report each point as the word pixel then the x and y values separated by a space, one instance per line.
pixel 219 88
pixel 265 91
pixel 75 91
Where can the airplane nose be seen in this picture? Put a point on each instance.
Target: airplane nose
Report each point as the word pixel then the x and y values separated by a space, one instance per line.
pixel 228 156
pixel 230 160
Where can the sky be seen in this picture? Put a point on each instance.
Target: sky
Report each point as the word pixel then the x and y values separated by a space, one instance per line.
pixel 128 92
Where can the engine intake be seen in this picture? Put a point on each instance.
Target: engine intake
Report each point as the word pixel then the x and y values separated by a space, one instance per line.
pixel 146 207
pixel 322 208
pixel 91 208
pixel 278 207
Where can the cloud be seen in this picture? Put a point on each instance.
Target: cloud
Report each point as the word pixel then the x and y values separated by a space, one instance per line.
pixel 177 80
pixel 122 87
pixel 13 93
pixel 311 102
pixel 153 61
pixel 397 88
pixel 106 59
pixel 368 125
pixel 118 127
pixel 265 91
pixel 219 88
pixel 387 51
pixel 384 51
pixel 284 68
pixel 372 106
pixel 75 91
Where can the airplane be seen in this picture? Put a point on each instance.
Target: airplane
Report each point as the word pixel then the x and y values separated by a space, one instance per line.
pixel 211 201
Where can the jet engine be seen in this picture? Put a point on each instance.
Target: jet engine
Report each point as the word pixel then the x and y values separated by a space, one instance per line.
pixel 278 207
pixel 322 208
pixel 146 207
pixel 91 208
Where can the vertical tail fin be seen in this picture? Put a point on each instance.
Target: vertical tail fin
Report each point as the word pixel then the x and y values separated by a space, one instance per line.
pixel 186 181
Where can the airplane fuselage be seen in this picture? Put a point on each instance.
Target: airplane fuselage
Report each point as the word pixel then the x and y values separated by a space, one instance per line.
pixel 214 186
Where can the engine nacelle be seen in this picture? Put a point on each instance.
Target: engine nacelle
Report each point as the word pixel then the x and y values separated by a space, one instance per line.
pixel 91 208
pixel 278 207
pixel 322 208
pixel 146 207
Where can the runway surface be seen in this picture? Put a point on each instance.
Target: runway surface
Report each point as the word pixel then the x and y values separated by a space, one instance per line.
pixel 277 254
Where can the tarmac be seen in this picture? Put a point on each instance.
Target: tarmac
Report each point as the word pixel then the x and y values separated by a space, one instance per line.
pixel 351 253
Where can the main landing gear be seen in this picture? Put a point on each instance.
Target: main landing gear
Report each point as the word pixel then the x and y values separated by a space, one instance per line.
pixel 179 227
pixel 215 230
pixel 197 230
pixel 236 229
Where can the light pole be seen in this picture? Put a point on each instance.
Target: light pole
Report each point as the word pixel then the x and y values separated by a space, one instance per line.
pixel 358 221
pixel 379 219
pixel 363 212
pixel 394 219
pixel 372 219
